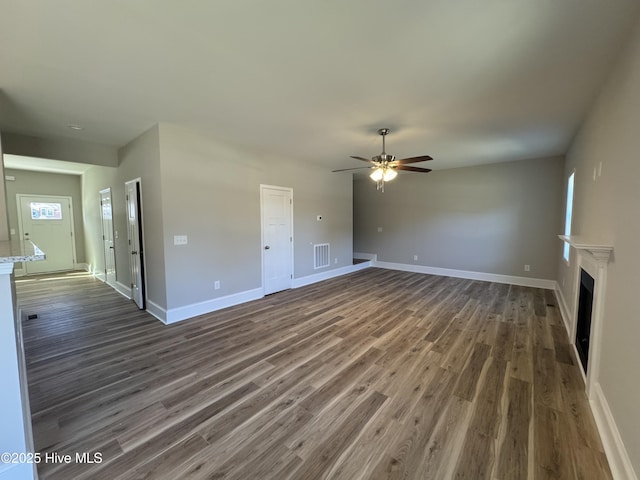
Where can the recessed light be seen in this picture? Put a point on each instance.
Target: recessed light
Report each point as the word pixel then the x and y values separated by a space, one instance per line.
pixel 73 126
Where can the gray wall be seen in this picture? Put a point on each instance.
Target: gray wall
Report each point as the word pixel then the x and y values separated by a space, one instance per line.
pixel 60 148
pixel 4 220
pixel 606 210
pixel 492 219
pixel 141 159
pixel 41 183
pixel 94 180
pixel 211 193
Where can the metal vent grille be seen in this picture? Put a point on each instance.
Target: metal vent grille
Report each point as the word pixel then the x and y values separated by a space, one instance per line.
pixel 321 255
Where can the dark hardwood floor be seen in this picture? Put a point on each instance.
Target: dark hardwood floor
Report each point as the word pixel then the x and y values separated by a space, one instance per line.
pixel 377 374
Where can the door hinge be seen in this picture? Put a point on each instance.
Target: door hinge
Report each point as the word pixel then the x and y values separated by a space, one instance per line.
pixel 291 276
pixel 291 239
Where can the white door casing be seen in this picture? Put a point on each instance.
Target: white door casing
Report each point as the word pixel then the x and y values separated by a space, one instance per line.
pixel 106 213
pixel 47 220
pixel 135 239
pixel 276 208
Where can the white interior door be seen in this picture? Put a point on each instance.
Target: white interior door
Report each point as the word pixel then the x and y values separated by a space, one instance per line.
pixel 48 222
pixel 134 230
pixel 277 238
pixel 107 237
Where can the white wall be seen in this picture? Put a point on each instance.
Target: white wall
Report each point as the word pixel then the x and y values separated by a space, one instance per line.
pixel 490 219
pixel 606 210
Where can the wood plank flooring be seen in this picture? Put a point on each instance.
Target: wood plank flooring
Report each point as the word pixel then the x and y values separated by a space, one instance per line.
pixel 377 374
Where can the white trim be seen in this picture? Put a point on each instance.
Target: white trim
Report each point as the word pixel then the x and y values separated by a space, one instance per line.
pixel 365 256
pixel 617 454
pixel 100 276
pixel 6 268
pixel 337 272
pixel 564 310
pixel 157 311
pixel 487 277
pixel 122 289
pixel 178 314
pixel 82 266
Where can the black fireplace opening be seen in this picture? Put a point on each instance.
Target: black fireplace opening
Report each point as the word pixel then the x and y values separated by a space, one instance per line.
pixel 583 330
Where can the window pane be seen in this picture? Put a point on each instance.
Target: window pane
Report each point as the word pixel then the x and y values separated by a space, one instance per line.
pixel 46 211
pixel 568 215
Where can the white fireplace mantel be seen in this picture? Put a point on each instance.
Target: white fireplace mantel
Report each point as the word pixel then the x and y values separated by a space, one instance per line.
pixel 600 252
pixel 594 259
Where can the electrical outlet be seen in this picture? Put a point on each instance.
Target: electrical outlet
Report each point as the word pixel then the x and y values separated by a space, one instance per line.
pixel 216 285
pixel 527 268
pixel 415 258
pixel 180 240
pixel 379 229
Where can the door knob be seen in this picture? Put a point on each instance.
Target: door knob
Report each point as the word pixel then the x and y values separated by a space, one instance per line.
pixel 267 247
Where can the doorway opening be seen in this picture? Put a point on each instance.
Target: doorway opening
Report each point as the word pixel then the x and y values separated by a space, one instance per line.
pixel 106 213
pixel 135 241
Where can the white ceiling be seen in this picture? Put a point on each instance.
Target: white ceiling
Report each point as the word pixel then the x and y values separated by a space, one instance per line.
pixel 464 81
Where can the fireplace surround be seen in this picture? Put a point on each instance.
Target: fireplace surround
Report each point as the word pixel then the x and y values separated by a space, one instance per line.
pixel 592 260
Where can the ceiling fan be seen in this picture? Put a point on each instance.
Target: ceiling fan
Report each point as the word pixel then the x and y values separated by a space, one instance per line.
pixel 385 166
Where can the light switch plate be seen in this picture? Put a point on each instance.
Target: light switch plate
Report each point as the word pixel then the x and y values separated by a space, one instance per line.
pixel 180 240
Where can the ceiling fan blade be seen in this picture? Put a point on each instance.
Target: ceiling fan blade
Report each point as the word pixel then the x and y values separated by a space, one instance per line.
pixel 404 161
pixel 363 159
pixel 345 169
pixel 412 169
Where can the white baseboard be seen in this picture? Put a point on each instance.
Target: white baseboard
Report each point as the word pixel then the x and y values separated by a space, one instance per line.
pixel 122 289
pixel 487 277
pixel 100 276
pixel 173 315
pixel 365 256
pixel 157 311
pixel 617 455
pixel 337 272
pixel 564 310
pixel 82 266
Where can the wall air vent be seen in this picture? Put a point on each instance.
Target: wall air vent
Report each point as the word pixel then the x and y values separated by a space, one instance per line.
pixel 321 255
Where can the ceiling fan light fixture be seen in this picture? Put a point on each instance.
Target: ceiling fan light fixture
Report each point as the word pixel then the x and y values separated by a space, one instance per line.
pixel 377 174
pixel 389 174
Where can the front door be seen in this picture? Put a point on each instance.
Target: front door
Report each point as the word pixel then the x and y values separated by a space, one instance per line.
pixel 48 222
pixel 107 237
pixel 134 230
pixel 277 238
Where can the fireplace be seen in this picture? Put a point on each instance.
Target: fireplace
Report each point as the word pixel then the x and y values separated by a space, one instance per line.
pixel 583 327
